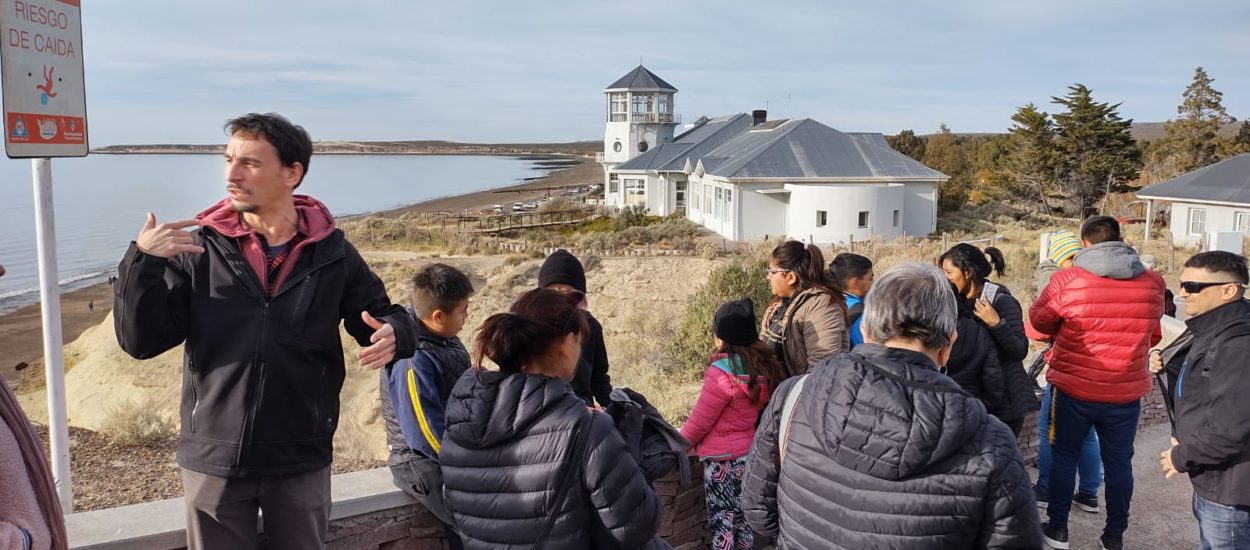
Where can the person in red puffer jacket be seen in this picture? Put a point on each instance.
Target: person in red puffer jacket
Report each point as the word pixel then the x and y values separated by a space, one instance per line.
pixel 722 425
pixel 1103 314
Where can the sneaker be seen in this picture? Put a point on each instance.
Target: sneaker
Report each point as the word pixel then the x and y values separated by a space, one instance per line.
pixel 1111 543
pixel 1040 493
pixel 1086 502
pixel 1055 537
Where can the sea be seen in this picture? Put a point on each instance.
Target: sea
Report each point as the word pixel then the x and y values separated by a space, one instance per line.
pixel 100 201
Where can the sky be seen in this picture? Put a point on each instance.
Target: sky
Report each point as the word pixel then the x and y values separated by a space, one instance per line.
pixel 478 71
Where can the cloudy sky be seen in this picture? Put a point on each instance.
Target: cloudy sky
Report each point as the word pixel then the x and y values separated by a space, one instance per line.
pixel 161 71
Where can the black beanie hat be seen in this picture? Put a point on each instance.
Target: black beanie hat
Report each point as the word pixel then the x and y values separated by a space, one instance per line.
pixel 562 267
pixel 734 323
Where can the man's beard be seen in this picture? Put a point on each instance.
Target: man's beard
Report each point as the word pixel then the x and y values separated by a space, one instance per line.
pixel 244 208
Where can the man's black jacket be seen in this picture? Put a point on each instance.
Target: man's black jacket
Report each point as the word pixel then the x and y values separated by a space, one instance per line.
pixel 262 376
pixel 1210 390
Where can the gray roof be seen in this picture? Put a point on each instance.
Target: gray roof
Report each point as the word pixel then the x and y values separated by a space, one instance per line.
pixel 641 79
pixel 693 143
pixel 1225 181
pixel 805 148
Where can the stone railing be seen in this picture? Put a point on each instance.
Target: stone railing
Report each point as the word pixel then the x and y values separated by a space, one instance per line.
pixel 367 513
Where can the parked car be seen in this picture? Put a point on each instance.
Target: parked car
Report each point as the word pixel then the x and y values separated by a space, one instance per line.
pixel 499 209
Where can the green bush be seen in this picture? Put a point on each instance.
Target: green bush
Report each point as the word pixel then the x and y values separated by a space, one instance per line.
pixel 692 341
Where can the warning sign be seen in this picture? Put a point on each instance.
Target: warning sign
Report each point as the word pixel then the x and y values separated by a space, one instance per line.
pixel 45 101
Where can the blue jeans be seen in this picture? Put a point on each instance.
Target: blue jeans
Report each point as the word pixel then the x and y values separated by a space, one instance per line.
pixel 1088 467
pixel 1116 425
pixel 1221 526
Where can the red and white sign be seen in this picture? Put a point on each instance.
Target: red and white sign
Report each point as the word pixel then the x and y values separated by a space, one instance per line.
pixel 45 101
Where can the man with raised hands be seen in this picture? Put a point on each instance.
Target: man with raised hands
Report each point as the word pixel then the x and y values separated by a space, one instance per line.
pixel 257 294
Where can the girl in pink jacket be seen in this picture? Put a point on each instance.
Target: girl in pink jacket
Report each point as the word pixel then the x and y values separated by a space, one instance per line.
pixel 722 424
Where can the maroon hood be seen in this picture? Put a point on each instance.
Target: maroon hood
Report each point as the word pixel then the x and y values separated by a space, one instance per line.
pixel 316 223
pixel 228 222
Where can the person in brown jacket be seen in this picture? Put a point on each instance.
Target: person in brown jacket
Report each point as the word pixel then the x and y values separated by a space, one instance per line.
pixel 30 513
pixel 806 321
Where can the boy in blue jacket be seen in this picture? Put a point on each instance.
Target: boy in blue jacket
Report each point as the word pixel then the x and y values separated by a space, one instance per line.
pixel 414 391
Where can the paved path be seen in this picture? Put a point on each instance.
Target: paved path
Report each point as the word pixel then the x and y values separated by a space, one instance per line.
pixel 1160 519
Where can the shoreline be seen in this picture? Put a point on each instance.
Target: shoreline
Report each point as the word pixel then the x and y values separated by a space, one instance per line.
pixel 21 330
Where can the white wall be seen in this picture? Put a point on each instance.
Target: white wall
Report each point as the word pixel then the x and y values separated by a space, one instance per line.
pixel 1218 218
pixel 919 208
pixel 761 215
pixel 842 204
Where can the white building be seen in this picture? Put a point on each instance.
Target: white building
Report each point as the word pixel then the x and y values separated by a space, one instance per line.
pixel 746 177
pixel 1208 200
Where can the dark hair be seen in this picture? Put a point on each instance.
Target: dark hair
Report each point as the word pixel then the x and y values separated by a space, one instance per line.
pixel 1100 229
pixel 538 319
pixel 291 140
pixel 847 266
pixel 439 287
pixel 808 264
pixel 968 259
pixel 997 260
pixel 1219 261
pixel 758 360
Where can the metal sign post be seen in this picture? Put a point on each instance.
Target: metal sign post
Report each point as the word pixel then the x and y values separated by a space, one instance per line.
pixel 45 116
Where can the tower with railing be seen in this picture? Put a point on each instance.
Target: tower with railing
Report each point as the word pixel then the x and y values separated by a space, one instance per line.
pixel 640 115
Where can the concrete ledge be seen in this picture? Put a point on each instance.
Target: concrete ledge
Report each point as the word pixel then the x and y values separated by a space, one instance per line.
pixel 161 525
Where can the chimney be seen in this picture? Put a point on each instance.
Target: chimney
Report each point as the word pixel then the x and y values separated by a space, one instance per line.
pixel 758 117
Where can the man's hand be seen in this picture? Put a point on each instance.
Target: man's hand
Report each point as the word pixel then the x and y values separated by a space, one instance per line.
pixel 1156 363
pixel 167 239
pixel 383 348
pixel 1169 469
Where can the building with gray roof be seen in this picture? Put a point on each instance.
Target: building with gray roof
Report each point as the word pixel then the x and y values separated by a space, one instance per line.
pixel 747 177
pixel 1212 199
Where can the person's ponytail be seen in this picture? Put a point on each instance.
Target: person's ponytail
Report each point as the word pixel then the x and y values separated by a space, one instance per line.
pixel 997 260
pixel 536 321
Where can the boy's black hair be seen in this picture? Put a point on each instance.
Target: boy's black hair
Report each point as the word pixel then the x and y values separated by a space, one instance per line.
pixel 1100 229
pixel 439 287
pixel 847 266
pixel 1219 261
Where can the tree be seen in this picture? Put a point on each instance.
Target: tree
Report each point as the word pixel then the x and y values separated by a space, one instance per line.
pixel 1096 153
pixel 1031 154
pixel 1240 144
pixel 1194 136
pixel 943 153
pixel 907 143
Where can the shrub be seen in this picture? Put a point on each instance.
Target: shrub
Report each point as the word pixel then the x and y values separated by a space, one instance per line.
pixel 132 423
pixel 692 341
pixel 708 250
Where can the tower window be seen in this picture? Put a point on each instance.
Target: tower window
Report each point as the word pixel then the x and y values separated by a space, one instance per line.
pixel 642 147
pixel 619 107
pixel 863 220
pixel 616 147
pixel 822 218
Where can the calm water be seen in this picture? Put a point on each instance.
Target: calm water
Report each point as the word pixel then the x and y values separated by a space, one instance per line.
pixel 101 201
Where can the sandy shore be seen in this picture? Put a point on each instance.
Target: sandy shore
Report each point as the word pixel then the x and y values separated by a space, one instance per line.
pixel 21 331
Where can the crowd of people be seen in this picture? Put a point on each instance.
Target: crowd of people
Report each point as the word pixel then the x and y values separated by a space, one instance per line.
pixel 851 411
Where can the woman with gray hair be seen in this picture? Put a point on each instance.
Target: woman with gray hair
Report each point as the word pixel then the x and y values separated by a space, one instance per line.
pixel 876 448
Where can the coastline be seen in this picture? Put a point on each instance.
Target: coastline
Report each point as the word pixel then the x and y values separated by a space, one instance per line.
pixel 21 330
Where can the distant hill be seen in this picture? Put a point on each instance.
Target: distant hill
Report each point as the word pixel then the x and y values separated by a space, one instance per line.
pixel 383 147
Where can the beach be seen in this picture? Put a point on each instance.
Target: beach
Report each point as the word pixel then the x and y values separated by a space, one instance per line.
pixel 21 334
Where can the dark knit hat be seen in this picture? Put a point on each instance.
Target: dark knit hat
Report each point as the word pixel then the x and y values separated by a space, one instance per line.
pixel 734 323
pixel 562 267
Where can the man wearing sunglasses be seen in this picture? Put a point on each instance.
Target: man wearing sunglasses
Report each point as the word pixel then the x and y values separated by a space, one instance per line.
pixel 1209 381
pixel 1103 314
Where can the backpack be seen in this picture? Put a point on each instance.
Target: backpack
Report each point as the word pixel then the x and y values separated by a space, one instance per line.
pixel 657 446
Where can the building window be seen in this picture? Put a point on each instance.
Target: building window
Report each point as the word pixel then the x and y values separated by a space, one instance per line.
pixel 822 218
pixel 619 106
pixel 614 184
pixel 681 194
pixel 720 203
pixel 863 220
pixel 896 212
pixel 1197 221
pixel 635 191
pixel 1243 223
pixel 644 103
pixel 707 201
pixel 694 197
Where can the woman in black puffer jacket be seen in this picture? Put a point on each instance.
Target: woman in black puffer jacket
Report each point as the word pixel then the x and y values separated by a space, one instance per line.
pixel 510 434
pixel 973 363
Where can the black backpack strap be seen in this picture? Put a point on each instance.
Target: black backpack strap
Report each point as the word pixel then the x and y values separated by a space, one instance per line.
pixel 570 473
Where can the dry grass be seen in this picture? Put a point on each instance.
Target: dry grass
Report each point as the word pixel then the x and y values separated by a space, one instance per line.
pixel 135 423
